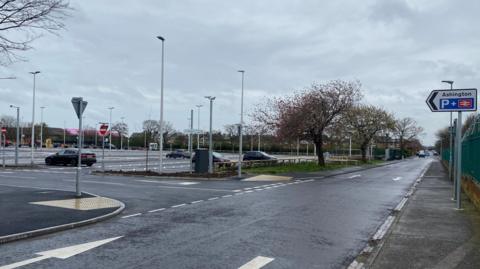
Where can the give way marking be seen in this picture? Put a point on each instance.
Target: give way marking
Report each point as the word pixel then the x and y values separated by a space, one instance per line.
pixel 396 179
pixel 257 263
pixel 61 253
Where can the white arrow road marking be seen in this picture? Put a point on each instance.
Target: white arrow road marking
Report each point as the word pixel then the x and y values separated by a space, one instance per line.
pixel 256 263
pixel 354 176
pixel 61 253
pixel 397 178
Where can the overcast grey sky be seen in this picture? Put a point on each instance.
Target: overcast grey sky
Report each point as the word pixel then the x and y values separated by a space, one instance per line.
pixel 108 54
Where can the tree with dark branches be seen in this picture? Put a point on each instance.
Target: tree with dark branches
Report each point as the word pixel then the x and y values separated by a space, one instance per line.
pixel 29 18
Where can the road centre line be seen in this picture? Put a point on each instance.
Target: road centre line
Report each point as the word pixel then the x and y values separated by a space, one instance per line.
pixel 96 182
pixel 354 176
pixel 397 178
pixel 193 188
pixel 257 263
pixel 175 206
pixel 213 198
pixel 155 210
pixel 196 202
pixel 226 196
pixel 133 215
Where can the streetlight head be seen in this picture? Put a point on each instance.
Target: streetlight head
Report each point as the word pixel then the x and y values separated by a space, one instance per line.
pixel 34 73
pixel 199 106
pixel 161 38
pixel 448 81
pixel 241 71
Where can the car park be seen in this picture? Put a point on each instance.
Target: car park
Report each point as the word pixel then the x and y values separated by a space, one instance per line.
pixel 70 157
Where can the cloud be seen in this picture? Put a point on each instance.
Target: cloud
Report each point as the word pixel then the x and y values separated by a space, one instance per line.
pixel 108 54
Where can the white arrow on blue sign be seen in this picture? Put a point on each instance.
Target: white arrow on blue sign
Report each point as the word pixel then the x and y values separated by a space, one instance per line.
pixel 453 100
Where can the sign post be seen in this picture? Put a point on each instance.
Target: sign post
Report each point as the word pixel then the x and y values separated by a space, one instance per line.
pixel 4 132
pixel 103 132
pixel 79 106
pixel 455 100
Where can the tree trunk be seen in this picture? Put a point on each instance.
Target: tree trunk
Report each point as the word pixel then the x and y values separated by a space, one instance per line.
pixel 364 148
pixel 319 149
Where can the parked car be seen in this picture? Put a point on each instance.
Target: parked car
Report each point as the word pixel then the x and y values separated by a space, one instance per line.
pixel 178 154
pixel 70 156
pixel 257 156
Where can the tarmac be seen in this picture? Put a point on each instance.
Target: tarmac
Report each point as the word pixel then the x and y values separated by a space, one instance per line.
pixel 28 212
pixel 429 232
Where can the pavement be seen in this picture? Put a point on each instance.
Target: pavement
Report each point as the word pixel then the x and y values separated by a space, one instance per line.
pixel 430 232
pixel 30 212
pixel 313 221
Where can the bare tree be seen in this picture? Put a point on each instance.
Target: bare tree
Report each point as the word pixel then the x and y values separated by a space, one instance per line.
pixel 152 131
pixel 29 17
pixel 366 122
pixel 8 121
pixel 308 114
pixel 406 129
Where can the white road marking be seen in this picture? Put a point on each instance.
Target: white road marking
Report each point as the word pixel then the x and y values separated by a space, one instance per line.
pixel 174 206
pixel 193 188
pixel 239 193
pixel 61 253
pixel 96 182
pixel 196 202
pixel 248 191
pixel 257 263
pixel 396 179
pixel 133 215
pixel 226 196
pixel 213 198
pixel 156 210
pixel 354 176
pixel 237 190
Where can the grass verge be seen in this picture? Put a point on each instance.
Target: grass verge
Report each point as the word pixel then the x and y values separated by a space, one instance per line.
pixel 302 167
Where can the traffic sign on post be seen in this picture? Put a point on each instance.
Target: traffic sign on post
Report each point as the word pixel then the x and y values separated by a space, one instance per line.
pixel 103 129
pixel 4 130
pixel 455 100
pixel 79 105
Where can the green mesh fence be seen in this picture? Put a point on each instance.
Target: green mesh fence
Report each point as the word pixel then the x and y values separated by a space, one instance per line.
pixel 471 151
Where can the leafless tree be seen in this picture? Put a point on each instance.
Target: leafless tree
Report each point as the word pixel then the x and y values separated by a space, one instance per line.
pixel 152 131
pixel 366 122
pixel 29 18
pixel 406 129
pixel 308 114
pixel 8 121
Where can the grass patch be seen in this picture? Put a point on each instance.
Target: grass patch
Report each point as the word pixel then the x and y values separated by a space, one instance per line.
pixel 302 167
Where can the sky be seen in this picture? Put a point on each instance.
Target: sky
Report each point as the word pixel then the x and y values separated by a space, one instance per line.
pixel 109 55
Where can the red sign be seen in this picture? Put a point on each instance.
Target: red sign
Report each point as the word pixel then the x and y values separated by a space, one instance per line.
pixel 4 130
pixel 103 129
pixel 465 103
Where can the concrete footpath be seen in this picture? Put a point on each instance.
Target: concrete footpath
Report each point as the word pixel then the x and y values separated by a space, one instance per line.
pixel 430 232
pixel 27 212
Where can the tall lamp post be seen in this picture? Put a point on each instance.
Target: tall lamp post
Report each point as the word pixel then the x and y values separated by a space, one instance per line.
pixel 35 73
pixel 41 127
pixel 110 126
pixel 17 137
pixel 450 158
pixel 121 134
pixel 210 143
pixel 198 125
pixel 161 103
pixel 240 147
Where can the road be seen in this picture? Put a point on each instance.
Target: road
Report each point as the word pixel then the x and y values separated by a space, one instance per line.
pixel 304 223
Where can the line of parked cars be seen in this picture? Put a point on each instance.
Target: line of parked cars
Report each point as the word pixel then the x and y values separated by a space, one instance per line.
pixel 70 157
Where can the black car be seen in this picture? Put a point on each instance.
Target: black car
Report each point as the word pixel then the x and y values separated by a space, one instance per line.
pixel 70 156
pixel 178 154
pixel 257 156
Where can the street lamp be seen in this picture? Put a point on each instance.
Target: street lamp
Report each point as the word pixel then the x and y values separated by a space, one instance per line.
pixel 210 143
pixel 121 134
pixel 198 125
pixel 110 126
pixel 17 138
pixel 35 73
pixel 41 127
pixel 161 103
pixel 241 130
pixel 450 161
